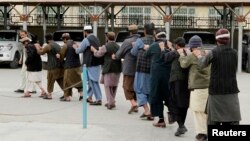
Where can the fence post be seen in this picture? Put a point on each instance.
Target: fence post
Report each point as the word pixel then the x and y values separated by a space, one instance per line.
pixel 84 100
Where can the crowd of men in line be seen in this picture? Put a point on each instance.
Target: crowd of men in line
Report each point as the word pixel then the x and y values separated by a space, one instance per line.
pixel 156 73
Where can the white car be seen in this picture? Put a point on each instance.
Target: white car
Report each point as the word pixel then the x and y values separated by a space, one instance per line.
pixel 76 35
pixel 10 47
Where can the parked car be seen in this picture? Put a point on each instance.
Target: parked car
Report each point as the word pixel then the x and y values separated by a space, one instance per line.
pixel 246 52
pixel 208 38
pixel 76 35
pixel 122 35
pixel 10 52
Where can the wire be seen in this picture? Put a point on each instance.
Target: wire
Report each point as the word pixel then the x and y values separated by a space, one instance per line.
pixel 72 86
pixel 42 113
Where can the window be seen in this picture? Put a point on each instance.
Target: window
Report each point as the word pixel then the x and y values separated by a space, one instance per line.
pixel 85 17
pixel 215 18
pixel 1 14
pixel 183 17
pixel 51 11
pixel 136 15
pixel 214 13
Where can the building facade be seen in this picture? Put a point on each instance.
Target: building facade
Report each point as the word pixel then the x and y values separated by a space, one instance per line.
pixel 75 16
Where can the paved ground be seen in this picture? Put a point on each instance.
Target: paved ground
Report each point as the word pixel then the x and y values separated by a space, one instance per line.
pixel 35 119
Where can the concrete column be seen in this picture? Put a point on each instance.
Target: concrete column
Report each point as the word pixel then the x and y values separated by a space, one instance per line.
pixel 94 19
pixel 167 23
pixel 95 28
pixel 95 22
pixel 240 32
pixel 106 21
pixel 25 12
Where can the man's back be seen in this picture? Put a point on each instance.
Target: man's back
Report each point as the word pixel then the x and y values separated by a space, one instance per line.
pixel 129 63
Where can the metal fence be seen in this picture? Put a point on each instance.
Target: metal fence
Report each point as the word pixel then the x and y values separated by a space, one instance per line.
pixel 121 21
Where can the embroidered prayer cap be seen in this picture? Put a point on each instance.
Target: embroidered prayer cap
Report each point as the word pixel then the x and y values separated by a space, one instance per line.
pixel 222 36
pixel 87 27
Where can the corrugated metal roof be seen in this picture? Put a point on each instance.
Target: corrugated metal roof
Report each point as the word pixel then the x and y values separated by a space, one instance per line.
pixel 130 2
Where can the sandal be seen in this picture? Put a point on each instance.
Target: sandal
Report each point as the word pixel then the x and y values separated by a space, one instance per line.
pixel 47 97
pixel 80 98
pixel 26 96
pixel 147 117
pixel 62 97
pixel 133 109
pixel 42 95
pixel 160 124
pixel 89 100
pixel 65 99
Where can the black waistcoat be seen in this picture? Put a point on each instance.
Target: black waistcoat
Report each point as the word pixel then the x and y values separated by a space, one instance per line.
pixel 88 57
pixel 72 59
pixel 110 65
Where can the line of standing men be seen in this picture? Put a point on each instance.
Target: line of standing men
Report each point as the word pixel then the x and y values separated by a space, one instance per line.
pixel 185 71
pixel 169 73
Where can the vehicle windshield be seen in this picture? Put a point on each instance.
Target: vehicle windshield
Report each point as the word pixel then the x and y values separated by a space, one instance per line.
pixel 75 36
pixel 122 36
pixel 8 36
pixel 206 38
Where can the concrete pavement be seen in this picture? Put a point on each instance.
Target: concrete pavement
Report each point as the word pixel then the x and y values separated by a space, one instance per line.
pixel 35 119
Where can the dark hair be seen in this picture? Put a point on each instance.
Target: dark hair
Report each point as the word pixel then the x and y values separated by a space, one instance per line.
pixel 180 41
pixel 25 31
pixel 48 36
pixel 65 36
pixel 110 36
pixel 149 28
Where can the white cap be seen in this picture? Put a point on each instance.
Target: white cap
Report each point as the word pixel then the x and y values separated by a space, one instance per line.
pixel 87 27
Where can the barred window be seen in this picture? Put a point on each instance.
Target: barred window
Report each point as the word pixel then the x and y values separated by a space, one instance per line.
pixel 183 17
pixel 215 18
pixel 85 17
pixel 135 15
pixel 51 11
pixel 1 14
pixel 212 12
